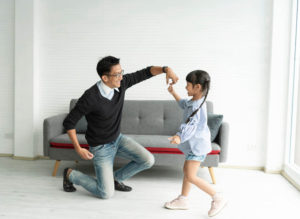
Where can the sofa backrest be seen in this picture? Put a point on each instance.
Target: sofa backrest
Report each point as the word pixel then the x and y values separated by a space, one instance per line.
pixel 148 117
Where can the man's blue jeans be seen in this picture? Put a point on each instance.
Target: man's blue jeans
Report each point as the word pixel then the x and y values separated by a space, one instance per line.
pixel 103 185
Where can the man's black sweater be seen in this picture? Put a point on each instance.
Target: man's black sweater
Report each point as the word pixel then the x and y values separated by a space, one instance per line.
pixel 103 116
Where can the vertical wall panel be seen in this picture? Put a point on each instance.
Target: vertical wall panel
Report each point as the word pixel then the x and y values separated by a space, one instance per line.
pixel 6 76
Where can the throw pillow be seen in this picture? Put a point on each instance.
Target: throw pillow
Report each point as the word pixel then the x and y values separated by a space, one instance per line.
pixel 214 122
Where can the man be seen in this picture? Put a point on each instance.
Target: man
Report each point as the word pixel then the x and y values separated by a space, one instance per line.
pixel 102 106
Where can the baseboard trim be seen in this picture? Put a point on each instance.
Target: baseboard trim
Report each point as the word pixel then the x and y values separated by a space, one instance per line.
pixel 290 180
pixel 6 155
pixel 38 157
pixel 272 171
pixel 240 167
pixel 43 157
pixel 251 168
pixel 25 158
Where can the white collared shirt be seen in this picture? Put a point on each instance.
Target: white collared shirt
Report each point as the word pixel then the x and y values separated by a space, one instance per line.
pixel 105 90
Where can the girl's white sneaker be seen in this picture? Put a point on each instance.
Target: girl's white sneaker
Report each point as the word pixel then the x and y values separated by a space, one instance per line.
pixel 217 204
pixel 178 203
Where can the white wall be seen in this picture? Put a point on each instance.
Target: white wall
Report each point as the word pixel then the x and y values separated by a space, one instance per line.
pixel 229 39
pixel 26 79
pixel 6 76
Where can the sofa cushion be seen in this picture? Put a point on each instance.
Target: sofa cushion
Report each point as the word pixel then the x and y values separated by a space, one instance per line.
pixel 214 122
pixel 154 143
pixel 145 140
pixel 159 150
pixel 153 140
pixel 63 141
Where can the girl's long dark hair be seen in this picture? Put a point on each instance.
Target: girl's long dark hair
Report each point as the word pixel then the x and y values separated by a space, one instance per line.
pixel 202 78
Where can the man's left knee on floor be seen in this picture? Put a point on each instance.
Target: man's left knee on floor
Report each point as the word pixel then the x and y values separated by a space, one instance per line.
pixel 149 162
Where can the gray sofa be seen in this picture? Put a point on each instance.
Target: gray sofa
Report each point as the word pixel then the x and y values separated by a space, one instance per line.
pixel 149 122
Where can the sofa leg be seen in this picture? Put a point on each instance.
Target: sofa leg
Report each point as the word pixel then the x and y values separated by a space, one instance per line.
pixel 212 175
pixel 56 167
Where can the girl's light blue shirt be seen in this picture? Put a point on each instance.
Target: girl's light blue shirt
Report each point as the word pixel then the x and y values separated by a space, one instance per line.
pixel 195 135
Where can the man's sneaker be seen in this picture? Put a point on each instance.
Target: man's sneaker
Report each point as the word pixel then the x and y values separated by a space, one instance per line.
pixel 122 187
pixel 217 204
pixel 178 203
pixel 67 185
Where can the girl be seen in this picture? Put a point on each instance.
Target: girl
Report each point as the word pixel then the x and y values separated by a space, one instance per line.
pixel 193 140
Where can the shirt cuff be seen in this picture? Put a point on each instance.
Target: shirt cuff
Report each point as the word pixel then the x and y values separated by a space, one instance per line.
pixel 179 134
pixel 148 71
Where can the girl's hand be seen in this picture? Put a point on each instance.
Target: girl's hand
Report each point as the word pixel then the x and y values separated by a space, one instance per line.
pixel 175 139
pixel 170 88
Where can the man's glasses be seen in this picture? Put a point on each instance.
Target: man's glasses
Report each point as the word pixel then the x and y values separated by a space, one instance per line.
pixel 118 75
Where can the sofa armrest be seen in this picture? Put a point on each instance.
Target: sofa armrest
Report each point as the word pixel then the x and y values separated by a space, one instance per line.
pixel 222 140
pixel 53 126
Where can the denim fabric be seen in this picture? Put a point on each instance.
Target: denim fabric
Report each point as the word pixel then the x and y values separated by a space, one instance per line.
pixel 191 156
pixel 103 185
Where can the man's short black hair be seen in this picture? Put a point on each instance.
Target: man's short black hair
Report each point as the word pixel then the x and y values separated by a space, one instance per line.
pixel 105 64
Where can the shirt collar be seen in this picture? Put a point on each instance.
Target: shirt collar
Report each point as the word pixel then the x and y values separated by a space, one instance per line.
pixel 106 88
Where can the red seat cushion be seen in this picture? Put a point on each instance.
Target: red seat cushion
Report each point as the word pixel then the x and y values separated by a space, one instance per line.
pixel 66 145
pixel 154 150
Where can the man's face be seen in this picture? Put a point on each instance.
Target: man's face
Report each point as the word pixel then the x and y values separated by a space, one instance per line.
pixel 114 77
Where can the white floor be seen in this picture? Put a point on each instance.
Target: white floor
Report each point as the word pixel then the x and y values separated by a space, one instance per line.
pixel 27 190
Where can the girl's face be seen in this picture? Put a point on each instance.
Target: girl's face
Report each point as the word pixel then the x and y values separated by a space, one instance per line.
pixel 192 90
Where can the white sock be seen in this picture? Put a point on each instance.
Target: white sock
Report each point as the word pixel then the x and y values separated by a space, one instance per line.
pixel 217 196
pixel 183 197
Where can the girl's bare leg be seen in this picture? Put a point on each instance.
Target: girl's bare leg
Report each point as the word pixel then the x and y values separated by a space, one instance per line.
pixel 186 185
pixel 190 176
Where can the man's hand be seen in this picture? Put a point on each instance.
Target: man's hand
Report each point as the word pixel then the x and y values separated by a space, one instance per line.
pixel 175 139
pixel 85 154
pixel 171 75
